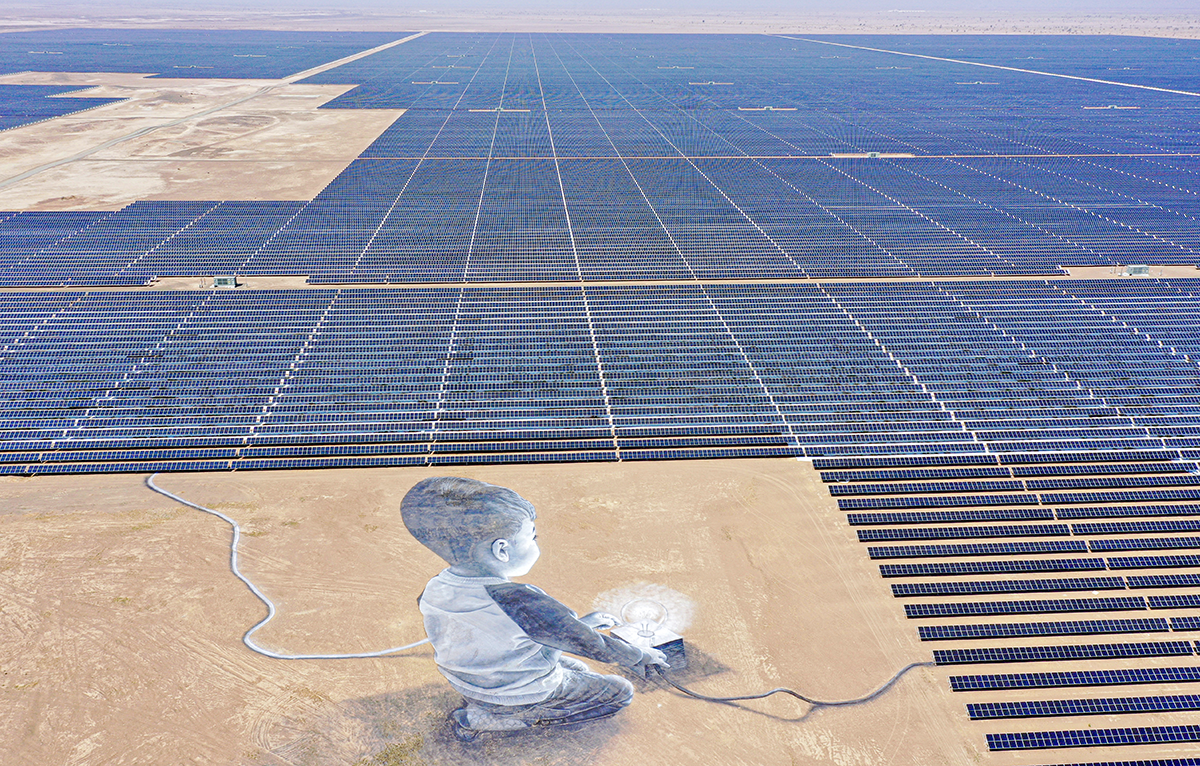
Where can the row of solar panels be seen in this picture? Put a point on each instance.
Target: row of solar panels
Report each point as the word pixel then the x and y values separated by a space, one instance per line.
pixel 576 72
pixel 1025 555
pixel 987 631
pixel 797 369
pixel 1030 514
pixel 387 221
pixel 1143 61
pixel 611 131
pixel 1044 530
pixel 182 53
pixel 25 104
pixel 1030 485
pixel 1061 584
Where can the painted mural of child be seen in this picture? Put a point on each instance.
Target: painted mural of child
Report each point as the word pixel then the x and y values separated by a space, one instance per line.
pixel 500 644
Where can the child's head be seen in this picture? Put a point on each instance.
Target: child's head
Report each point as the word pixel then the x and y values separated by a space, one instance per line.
pixel 472 524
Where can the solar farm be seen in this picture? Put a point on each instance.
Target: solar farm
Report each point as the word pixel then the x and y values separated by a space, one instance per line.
pixel 924 307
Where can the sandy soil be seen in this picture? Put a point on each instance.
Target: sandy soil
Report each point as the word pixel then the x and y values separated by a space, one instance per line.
pixel 183 140
pixel 1110 272
pixel 190 140
pixel 122 622
pixel 1185 271
pixel 298 282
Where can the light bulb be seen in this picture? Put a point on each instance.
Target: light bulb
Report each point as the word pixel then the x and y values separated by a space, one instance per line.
pixel 645 615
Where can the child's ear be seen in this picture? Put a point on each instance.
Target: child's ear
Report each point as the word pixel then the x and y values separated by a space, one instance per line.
pixel 500 549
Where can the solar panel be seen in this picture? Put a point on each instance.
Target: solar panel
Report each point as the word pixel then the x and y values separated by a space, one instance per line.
pixel 1153 562
pixel 1153 762
pixel 841 463
pixel 1173 602
pixel 1006 586
pixel 1054 653
pixel 1075 678
pixel 1113 705
pixel 1143 543
pixel 1018 630
pixel 1093 737
pixel 977 549
pixel 949 533
pixel 1082 456
pixel 1164 581
pixel 868 503
pixel 936 517
pixel 990 567
pixel 1040 606
pixel 1135 527
pixel 983 389
pixel 1106 511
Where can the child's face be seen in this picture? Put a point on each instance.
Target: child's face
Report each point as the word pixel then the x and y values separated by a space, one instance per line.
pixel 523 551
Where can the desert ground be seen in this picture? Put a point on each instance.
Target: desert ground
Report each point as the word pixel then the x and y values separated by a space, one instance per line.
pixel 269 146
pixel 184 140
pixel 123 622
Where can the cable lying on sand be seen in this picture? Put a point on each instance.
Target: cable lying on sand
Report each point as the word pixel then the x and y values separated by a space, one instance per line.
pixel 797 695
pixel 247 639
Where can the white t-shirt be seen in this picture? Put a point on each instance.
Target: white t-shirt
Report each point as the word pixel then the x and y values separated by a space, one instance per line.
pixel 499 641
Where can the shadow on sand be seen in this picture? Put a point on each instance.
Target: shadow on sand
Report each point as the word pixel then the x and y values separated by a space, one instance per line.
pixel 411 727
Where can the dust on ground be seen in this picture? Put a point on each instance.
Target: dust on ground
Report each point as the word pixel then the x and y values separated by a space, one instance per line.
pixel 122 622
pixel 182 140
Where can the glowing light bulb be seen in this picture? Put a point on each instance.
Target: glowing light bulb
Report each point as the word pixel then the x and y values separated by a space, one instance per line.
pixel 645 615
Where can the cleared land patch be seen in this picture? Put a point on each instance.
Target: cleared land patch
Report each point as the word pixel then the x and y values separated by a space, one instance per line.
pixel 275 146
pixel 124 622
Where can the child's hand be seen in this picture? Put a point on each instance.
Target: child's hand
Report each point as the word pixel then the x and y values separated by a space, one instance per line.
pixel 650 658
pixel 599 620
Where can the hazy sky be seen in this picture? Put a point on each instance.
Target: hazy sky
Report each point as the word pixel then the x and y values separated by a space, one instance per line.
pixel 839 6
pixel 989 7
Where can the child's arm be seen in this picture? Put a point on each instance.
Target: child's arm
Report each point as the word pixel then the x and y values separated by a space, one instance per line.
pixel 550 623
pixel 599 620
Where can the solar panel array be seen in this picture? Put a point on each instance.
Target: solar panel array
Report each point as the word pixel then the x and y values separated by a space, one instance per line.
pixel 1020 456
pixel 1137 498
pixel 596 372
pixel 26 104
pixel 1116 593
pixel 1084 706
pixel 1073 652
pixel 1094 737
pixel 1139 61
pixel 181 53
pixel 567 157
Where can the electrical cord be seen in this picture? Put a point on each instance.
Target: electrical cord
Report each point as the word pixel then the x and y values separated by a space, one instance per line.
pixel 248 640
pixel 782 690
pixel 233 567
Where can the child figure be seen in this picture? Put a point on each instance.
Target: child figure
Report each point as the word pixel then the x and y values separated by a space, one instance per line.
pixel 499 643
